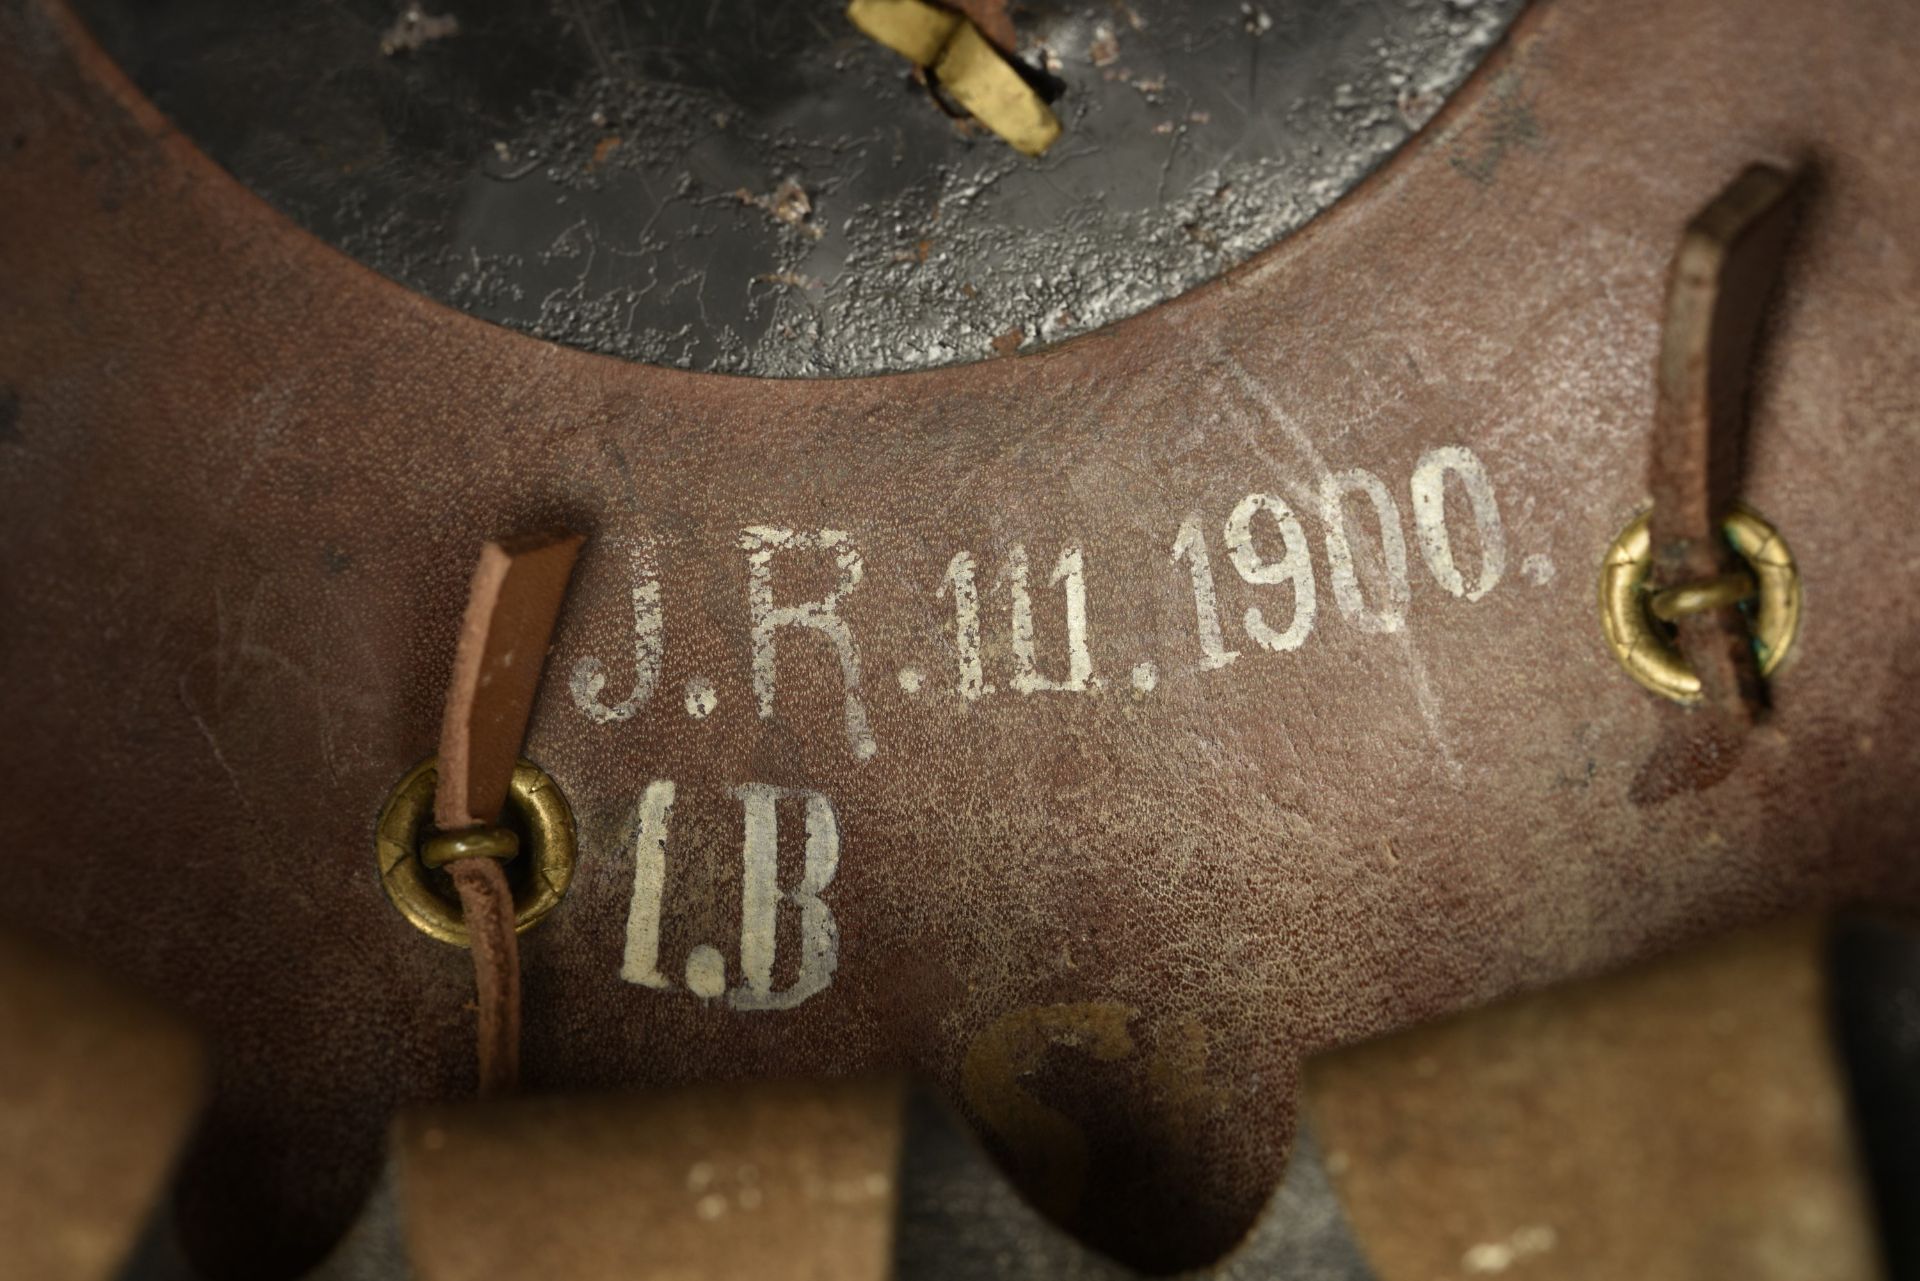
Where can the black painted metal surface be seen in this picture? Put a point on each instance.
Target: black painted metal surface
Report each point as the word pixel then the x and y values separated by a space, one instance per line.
pixel 754 187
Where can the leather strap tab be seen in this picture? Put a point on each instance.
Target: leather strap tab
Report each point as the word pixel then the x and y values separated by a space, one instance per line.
pixel 511 609
pixel 1717 291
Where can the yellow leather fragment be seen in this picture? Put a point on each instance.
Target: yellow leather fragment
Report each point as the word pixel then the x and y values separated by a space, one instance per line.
pixel 981 80
pixel 911 27
pixel 968 65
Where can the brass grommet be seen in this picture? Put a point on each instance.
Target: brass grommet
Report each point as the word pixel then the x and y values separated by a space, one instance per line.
pixel 1644 646
pixel 534 804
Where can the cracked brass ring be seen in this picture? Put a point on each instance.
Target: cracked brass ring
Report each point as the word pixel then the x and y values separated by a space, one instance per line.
pixel 536 810
pixel 1645 646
